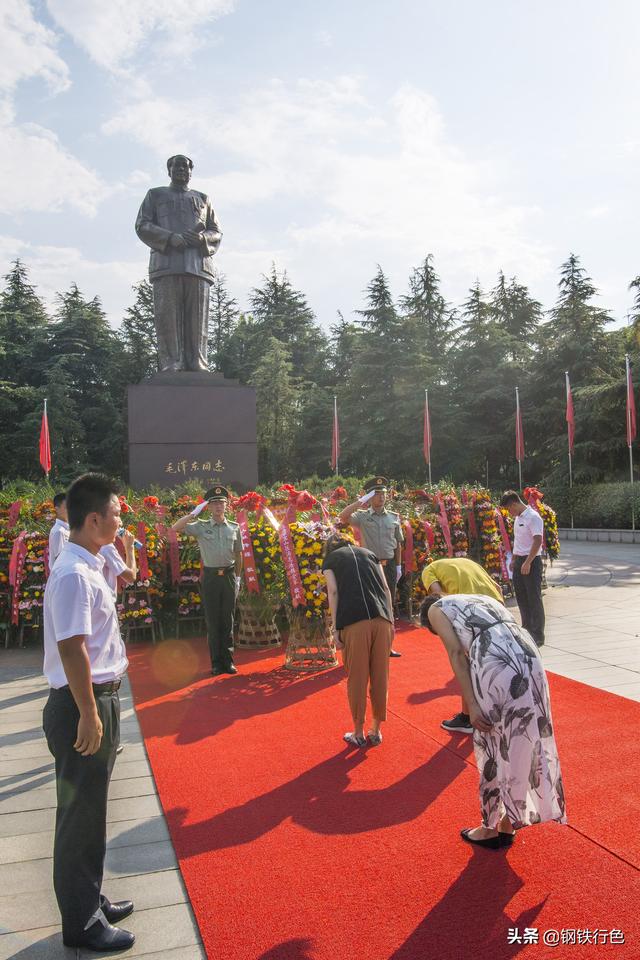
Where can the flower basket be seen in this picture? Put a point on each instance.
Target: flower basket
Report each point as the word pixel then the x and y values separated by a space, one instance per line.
pixel 255 629
pixel 310 645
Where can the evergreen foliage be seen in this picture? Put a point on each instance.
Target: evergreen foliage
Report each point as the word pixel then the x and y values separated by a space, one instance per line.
pixel 378 360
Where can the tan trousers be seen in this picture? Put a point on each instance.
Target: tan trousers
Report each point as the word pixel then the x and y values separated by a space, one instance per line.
pixel 366 660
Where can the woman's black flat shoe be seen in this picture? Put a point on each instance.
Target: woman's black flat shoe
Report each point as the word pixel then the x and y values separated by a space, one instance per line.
pixel 491 843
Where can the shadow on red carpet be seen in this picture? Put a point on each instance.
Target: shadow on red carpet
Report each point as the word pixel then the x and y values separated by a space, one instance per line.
pixel 295 848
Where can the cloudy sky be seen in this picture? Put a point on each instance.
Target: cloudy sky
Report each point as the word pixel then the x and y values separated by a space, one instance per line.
pixel 331 136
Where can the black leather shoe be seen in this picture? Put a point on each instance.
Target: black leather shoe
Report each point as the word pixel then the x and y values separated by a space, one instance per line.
pixel 231 669
pixel 102 938
pixel 395 653
pixel 216 671
pixel 491 843
pixel 115 912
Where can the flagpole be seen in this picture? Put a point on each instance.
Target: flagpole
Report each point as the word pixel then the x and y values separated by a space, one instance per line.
pixel 427 421
pixel 335 431
pixel 630 441
pixel 568 388
pixel 519 435
pixel 47 422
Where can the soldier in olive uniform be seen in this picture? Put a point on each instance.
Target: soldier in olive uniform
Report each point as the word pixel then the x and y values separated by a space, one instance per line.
pixel 220 545
pixel 381 531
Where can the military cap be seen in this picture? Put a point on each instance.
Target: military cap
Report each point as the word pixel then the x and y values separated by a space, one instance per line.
pixel 217 493
pixel 379 484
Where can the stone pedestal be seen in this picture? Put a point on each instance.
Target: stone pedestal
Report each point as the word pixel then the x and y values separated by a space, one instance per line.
pixel 192 426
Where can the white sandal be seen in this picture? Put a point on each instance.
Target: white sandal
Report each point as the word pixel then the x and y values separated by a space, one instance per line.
pixel 354 741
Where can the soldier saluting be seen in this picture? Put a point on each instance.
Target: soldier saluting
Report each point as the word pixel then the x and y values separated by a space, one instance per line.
pixel 220 544
pixel 381 531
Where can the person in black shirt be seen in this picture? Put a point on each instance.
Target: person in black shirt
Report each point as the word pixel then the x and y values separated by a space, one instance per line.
pixel 362 614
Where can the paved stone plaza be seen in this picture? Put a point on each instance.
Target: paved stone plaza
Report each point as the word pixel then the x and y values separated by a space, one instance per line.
pixel 593 625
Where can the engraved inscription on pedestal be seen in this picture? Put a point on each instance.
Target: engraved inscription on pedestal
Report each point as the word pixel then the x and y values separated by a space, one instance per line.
pixel 192 426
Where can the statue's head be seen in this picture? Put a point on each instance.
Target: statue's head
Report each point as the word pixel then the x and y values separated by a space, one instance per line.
pixel 180 168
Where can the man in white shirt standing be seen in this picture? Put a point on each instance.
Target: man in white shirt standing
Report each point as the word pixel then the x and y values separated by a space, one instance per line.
pixel 59 533
pixel 528 528
pixel 84 661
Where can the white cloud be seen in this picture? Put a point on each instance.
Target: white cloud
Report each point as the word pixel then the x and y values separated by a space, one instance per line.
pixel 324 38
pixel 52 270
pixel 599 211
pixel 112 31
pixel 38 173
pixel 27 49
pixel 354 178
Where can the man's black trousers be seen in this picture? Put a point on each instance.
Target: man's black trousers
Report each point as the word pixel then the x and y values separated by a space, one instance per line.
pixel 390 576
pixel 529 596
pixel 219 601
pixel 82 784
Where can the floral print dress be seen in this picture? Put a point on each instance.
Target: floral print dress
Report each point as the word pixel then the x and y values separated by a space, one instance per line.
pixel 518 759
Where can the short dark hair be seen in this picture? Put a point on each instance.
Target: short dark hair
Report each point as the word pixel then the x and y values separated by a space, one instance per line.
pixel 175 156
pixel 59 499
pixel 90 493
pixel 335 541
pixel 425 606
pixel 509 497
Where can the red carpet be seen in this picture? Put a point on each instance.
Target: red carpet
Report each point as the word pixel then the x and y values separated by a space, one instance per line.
pixel 293 847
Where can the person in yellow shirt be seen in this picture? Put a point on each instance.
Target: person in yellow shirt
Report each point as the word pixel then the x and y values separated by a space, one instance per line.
pixel 459 575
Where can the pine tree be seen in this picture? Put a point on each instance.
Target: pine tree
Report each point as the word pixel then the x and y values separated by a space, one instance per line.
pixel 23 325
pixel 282 312
pixel 223 319
pixel 518 315
pixel 344 346
pixel 482 385
pixel 575 340
pixel 428 308
pixel 138 334
pixel 312 446
pixel 634 315
pixel 383 394
pixel 278 407
pixel 84 355
pixel 243 349
pixel 23 335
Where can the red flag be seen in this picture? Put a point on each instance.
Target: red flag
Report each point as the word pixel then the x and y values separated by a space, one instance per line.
pixel 45 445
pixel 426 430
pixel 519 431
pixel 631 407
pixel 335 440
pixel 571 424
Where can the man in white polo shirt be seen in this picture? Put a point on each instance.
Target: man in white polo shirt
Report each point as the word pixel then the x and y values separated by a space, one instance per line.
pixel 84 660
pixel 528 528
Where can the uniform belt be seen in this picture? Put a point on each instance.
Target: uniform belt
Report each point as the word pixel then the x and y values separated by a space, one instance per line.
pixel 220 571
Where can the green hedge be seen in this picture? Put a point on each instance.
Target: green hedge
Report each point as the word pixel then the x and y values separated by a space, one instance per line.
pixel 598 505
